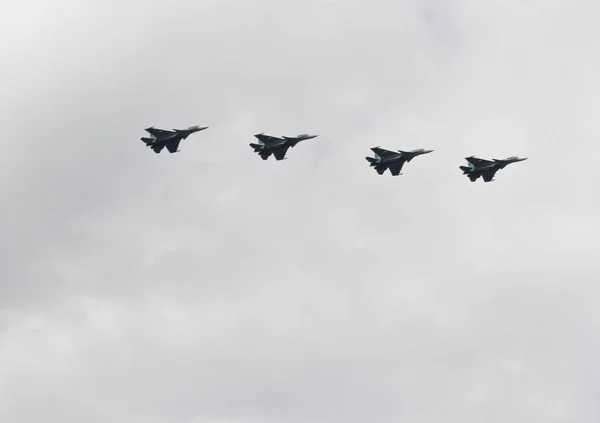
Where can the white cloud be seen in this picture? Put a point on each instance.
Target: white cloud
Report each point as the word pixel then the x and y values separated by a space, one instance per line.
pixel 211 286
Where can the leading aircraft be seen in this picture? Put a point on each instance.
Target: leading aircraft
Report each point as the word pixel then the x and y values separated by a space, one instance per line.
pixel 486 168
pixel 392 160
pixel 268 145
pixel 161 138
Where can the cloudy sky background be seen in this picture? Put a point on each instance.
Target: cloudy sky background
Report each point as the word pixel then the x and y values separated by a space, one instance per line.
pixel 210 286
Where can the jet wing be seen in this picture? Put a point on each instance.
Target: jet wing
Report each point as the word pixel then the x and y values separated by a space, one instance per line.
pixel 382 152
pixel 396 167
pixel 478 162
pixel 158 133
pixel 279 153
pixel 488 175
pixel 172 146
pixel 267 139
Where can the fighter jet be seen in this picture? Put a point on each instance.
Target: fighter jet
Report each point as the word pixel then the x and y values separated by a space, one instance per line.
pixel 485 168
pixel 161 138
pixel 386 159
pixel 268 145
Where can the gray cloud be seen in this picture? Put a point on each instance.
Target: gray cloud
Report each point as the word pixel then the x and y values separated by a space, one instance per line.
pixel 210 286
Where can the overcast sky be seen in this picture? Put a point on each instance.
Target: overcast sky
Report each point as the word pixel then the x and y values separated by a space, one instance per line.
pixel 211 286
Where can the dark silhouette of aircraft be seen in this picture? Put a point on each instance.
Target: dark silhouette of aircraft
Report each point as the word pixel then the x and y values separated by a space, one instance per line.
pixel 161 138
pixel 386 159
pixel 486 168
pixel 268 145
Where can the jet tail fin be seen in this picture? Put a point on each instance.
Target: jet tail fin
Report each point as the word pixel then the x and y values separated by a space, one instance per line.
pixel 371 159
pixel 465 169
pixel 148 141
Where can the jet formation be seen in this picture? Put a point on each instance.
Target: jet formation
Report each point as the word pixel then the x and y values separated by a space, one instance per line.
pixel 486 169
pixel 278 147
